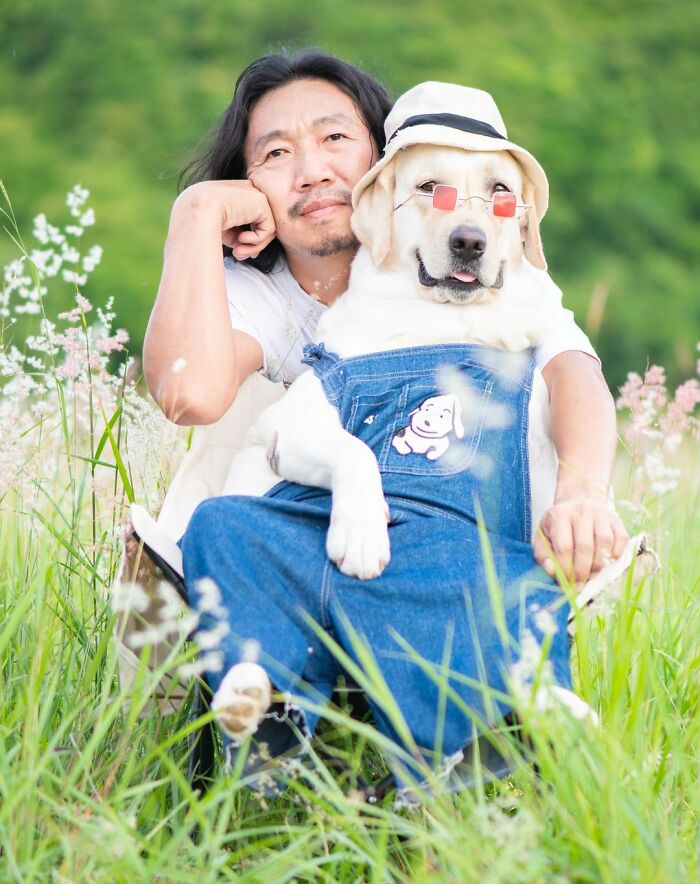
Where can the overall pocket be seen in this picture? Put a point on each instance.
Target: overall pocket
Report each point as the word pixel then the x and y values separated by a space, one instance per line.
pixel 416 429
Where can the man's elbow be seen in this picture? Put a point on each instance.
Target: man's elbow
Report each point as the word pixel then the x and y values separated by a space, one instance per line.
pixel 190 406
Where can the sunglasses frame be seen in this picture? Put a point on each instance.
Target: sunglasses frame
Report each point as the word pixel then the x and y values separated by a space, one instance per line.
pixel 503 205
pixel 445 198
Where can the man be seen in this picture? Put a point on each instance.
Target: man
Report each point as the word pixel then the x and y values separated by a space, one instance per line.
pixel 298 135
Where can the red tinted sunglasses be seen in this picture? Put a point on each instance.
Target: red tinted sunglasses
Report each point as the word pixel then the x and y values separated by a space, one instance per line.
pixel 503 204
pixel 446 198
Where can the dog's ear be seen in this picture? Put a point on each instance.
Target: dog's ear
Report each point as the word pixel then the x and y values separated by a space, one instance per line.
pixel 530 230
pixel 372 218
pixel 457 424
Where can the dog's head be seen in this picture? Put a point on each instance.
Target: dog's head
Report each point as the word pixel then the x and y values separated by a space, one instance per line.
pixel 457 255
pixel 438 416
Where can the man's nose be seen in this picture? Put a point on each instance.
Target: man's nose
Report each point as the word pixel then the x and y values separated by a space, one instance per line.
pixel 467 242
pixel 312 168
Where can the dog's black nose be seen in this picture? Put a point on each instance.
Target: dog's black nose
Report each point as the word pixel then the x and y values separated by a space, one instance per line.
pixel 467 243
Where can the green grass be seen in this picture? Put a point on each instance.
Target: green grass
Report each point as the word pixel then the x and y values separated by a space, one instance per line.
pixel 90 791
pixel 93 788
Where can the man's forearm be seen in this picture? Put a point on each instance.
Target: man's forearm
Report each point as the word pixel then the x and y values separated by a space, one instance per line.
pixel 193 360
pixel 189 324
pixel 582 424
pixel 580 530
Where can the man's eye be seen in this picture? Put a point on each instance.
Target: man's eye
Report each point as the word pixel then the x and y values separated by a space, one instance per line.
pixel 336 136
pixel 427 186
pixel 275 153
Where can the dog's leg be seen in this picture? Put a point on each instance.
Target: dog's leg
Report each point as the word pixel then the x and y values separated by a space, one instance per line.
pixel 250 472
pixel 307 444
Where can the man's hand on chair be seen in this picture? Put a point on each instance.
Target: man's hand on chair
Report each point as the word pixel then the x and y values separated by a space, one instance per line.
pixel 582 532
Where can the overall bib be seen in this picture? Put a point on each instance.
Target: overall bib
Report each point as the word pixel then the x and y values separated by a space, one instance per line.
pixel 454 603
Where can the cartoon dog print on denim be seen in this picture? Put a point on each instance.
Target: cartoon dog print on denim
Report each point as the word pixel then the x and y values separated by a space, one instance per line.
pixel 431 424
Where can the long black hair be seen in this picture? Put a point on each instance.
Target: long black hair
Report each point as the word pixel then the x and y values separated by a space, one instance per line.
pixel 223 158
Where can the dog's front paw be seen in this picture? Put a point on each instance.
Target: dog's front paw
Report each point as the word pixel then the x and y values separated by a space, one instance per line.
pixel 358 539
pixel 242 699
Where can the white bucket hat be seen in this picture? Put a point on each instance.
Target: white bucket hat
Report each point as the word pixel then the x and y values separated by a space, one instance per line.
pixel 447 115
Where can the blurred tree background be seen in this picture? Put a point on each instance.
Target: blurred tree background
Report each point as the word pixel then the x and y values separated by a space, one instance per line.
pixel 116 97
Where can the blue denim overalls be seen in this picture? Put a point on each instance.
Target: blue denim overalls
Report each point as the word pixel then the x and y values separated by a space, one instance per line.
pixel 446 461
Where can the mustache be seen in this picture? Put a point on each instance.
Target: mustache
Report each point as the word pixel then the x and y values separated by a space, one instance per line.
pixel 299 206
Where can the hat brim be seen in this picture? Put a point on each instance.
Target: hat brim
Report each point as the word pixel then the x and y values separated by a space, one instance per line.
pixel 443 136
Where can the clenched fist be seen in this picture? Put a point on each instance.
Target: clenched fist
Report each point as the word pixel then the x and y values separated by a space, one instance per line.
pixel 238 207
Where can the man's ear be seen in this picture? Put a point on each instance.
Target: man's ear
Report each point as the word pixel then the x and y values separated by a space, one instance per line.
pixel 373 217
pixel 530 230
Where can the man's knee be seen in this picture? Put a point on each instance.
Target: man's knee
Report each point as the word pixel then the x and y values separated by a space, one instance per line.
pixel 205 520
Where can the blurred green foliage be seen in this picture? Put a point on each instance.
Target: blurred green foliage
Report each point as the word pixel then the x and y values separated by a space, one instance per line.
pixel 604 93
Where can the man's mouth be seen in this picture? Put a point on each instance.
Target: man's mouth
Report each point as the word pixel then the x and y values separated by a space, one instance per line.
pixel 320 208
pixel 458 280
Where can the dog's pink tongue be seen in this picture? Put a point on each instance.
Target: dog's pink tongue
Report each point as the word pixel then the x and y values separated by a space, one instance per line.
pixel 464 277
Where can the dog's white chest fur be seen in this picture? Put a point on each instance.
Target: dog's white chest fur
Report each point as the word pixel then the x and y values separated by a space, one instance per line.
pixel 382 311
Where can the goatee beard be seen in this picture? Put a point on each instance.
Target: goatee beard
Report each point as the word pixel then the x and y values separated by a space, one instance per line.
pixel 333 245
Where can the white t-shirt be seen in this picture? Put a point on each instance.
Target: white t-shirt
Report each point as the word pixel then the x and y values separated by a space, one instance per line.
pixel 275 310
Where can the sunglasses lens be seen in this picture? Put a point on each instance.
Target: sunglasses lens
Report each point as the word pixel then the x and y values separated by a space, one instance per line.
pixel 444 197
pixel 504 204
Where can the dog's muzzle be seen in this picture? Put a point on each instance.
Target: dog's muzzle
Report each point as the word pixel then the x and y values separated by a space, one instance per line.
pixel 461 285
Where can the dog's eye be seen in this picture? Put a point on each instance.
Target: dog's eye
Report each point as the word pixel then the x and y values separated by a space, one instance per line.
pixel 500 188
pixel 427 186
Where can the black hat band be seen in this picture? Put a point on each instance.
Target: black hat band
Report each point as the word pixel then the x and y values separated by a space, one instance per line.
pixel 453 121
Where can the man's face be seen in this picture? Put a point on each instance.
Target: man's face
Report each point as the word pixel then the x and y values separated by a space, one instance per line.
pixel 306 147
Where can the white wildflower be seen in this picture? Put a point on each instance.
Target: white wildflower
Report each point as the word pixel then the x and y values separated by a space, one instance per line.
pixel 70 254
pixel 213 661
pixel 512 366
pixel 74 278
pixel 88 218
pixel 40 229
pixel 30 307
pixel 47 261
pixel 250 652
pixel 662 478
pixel 544 621
pixel 476 409
pixel 129 597
pixel 149 635
pixel 209 601
pixel 76 199
pixel 210 639
pixel 172 605
pixel 187 623
pixel 92 259
pixel 482 466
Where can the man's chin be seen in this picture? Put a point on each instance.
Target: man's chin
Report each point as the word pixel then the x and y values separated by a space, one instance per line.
pixel 331 245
